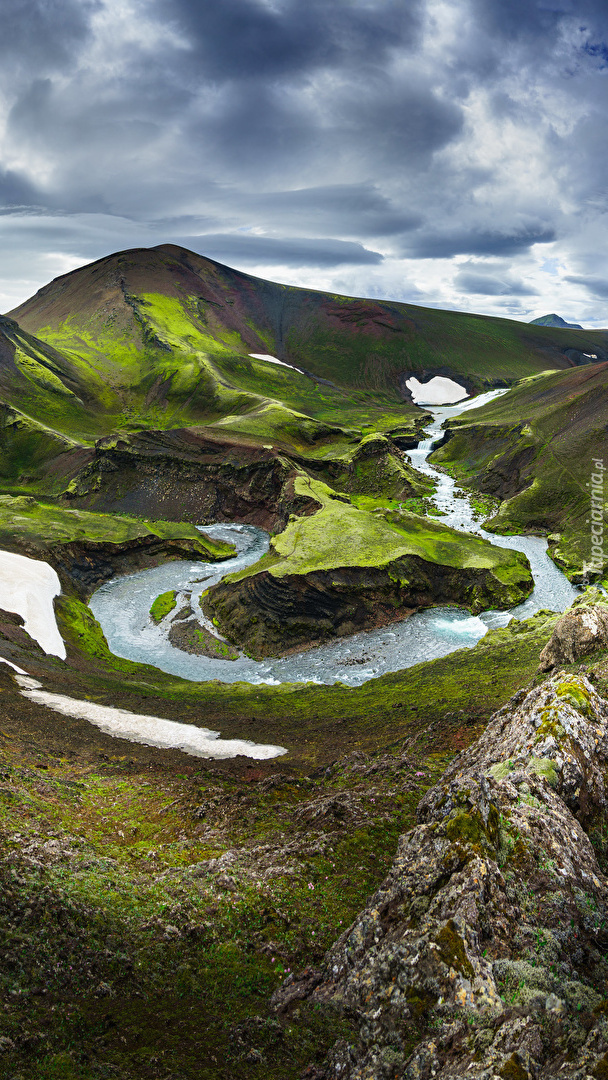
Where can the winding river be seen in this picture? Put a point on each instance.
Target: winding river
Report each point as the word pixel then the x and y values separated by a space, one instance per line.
pixel 122 605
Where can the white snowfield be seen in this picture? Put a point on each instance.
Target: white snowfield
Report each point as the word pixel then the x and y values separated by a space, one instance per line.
pixel 149 730
pixel 272 360
pixel 28 588
pixel 437 391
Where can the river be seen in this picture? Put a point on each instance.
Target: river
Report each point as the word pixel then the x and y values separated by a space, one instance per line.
pixel 122 605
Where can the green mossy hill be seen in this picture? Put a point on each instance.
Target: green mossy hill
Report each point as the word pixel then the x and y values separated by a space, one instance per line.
pixel 344 569
pixel 41 523
pixel 378 469
pixel 44 383
pixel 32 454
pixel 274 423
pixel 163 605
pixel 541 466
pixel 341 535
pixel 160 339
pixel 172 332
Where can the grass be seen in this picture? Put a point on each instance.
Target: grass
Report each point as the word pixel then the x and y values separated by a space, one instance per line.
pixel 163 605
pixel 341 534
pixel 24 519
pixel 136 940
pixel 134 958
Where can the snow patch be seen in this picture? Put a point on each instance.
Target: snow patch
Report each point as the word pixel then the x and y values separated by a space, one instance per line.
pixel 149 730
pixel 28 588
pixel 19 670
pixel 271 359
pixel 438 391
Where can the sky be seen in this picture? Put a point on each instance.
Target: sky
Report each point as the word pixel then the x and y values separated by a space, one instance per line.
pixel 450 153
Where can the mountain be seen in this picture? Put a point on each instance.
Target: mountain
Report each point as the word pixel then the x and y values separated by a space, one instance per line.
pixel 554 320
pixel 152 900
pixel 161 337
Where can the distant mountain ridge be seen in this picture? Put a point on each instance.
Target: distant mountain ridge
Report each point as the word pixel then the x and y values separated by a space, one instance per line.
pixel 555 320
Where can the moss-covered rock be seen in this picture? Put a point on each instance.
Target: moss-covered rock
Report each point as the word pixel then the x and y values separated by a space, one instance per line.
pixel 494 900
pixel 191 637
pixel 344 569
pixel 163 605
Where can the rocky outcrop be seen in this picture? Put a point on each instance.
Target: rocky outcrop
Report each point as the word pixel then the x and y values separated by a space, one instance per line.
pixel 84 565
pixel 582 629
pixel 187 475
pixel 483 954
pixel 270 616
pixel 378 468
pixel 189 636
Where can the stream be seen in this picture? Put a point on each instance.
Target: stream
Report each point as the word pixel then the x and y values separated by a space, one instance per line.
pixel 122 605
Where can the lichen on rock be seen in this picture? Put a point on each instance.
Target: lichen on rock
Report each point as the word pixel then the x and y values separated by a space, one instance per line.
pixel 483 952
pixel 581 629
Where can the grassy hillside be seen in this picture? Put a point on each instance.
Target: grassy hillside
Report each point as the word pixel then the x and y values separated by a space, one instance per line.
pixel 161 337
pixel 123 942
pixel 534 449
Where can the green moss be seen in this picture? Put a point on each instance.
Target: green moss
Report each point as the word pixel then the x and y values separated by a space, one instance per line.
pixel 45 523
pixel 340 534
pixel 452 949
pixel 163 605
pixel 544 767
pixel 549 726
pixel 575 694
pixel 513 1069
pixel 501 770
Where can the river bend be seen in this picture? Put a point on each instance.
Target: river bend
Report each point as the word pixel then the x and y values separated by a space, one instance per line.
pixel 122 605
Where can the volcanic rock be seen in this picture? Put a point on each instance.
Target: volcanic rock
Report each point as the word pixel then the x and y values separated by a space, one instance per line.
pixel 581 629
pixel 483 952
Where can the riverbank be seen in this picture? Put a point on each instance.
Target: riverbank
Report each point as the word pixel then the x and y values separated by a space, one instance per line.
pixel 122 606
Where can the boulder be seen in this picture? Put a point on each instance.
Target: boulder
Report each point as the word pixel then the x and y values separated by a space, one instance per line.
pixel 581 629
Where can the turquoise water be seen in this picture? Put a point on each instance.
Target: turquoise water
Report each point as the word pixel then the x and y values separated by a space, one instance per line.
pixel 122 605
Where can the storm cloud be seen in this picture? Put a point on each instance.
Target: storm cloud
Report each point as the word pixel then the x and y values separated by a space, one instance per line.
pixel 449 152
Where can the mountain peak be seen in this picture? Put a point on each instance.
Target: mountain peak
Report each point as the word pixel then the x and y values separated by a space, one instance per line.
pixel 555 320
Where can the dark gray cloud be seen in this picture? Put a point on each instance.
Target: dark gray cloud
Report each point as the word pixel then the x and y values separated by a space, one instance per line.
pixel 41 36
pixel 250 39
pixel 487 285
pixel 489 243
pixel 342 208
pixel 16 191
pixel 358 144
pixel 298 251
pixel 596 286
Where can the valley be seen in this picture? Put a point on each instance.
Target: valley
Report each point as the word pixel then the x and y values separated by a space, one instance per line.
pixel 282 622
